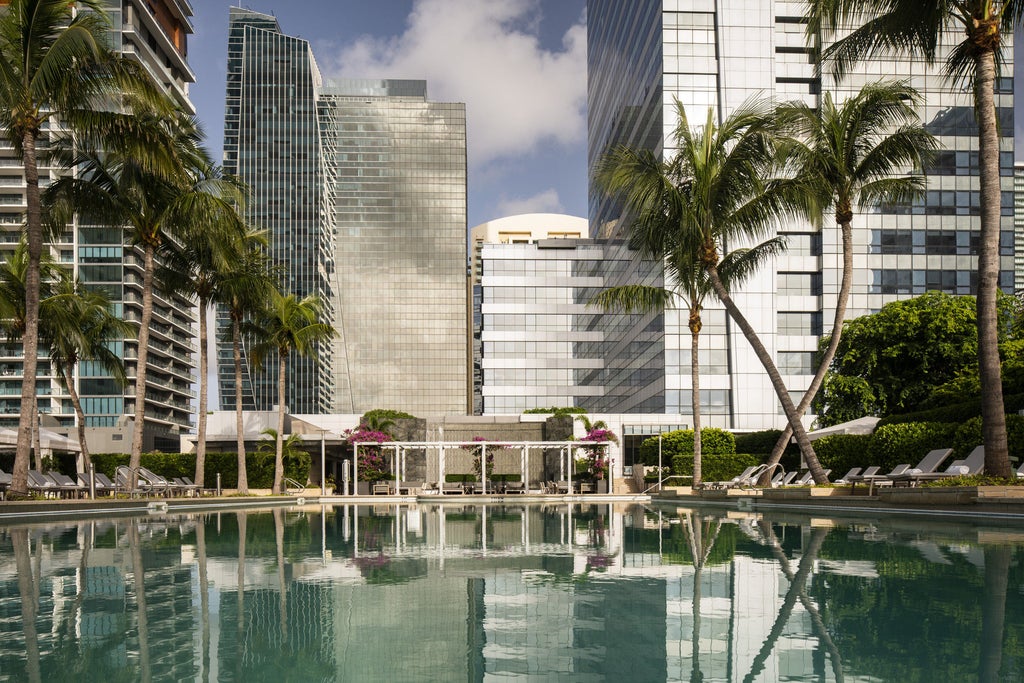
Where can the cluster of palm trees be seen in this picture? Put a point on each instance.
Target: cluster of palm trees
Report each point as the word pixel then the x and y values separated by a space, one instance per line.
pixel 138 162
pixel 732 182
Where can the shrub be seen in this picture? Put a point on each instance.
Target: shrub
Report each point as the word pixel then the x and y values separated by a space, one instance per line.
pixel 968 435
pixel 259 467
pixel 761 444
pixel 840 452
pixel 908 442
pixel 714 466
pixel 960 412
pixel 713 441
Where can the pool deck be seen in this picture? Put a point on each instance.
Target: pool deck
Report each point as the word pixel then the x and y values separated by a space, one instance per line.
pixel 995 502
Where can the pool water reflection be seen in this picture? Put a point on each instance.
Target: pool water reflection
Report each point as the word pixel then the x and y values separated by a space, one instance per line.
pixel 536 592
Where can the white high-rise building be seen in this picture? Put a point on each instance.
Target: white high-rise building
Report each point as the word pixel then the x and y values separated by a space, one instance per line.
pixel 645 55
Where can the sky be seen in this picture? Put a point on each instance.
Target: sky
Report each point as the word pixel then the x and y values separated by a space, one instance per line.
pixel 518 65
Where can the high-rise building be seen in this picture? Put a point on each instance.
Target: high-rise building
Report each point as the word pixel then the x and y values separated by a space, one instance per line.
pixel 361 185
pixel 527 271
pixel 154 33
pixel 644 56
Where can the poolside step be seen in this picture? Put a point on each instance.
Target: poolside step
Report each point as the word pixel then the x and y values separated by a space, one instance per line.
pixel 624 485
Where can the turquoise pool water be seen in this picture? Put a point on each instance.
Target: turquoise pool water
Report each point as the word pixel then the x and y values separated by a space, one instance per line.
pixel 545 593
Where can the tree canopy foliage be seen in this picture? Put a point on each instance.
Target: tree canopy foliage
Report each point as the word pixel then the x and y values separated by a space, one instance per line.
pixel 912 354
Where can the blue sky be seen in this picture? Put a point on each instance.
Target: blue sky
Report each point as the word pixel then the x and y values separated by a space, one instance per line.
pixel 519 65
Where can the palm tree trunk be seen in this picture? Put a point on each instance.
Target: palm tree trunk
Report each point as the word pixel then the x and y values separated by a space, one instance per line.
pixel 204 597
pixel 993 417
pixel 236 344
pixel 773 374
pixel 846 229
pixel 279 455
pixel 695 325
pixel 29 601
pixel 76 401
pixel 142 357
pixel 37 437
pixel 141 608
pixel 993 612
pixel 30 340
pixel 204 388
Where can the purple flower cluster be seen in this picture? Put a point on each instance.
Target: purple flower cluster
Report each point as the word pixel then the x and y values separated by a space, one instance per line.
pixel 372 464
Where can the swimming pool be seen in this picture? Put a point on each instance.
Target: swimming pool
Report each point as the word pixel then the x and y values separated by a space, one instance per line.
pixel 536 592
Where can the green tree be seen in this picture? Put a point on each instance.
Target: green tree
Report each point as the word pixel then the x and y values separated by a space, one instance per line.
pixel 727 174
pixel 920 28
pixel 867 151
pixel 197 266
pixel 54 65
pixel 892 361
pixel 286 325
pixel 163 205
pixel 656 194
pixel 247 284
pixel 82 327
pixel 291 446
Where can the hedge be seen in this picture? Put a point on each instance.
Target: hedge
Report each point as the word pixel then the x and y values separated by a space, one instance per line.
pixel 961 412
pixel 761 444
pixel 841 452
pixel 907 442
pixel 259 467
pixel 968 436
pixel 713 441
pixel 714 466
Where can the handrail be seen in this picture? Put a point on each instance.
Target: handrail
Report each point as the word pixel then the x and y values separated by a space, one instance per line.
pixel 292 486
pixel 664 479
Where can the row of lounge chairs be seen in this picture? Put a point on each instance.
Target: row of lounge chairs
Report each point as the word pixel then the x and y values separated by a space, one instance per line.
pixel 928 469
pixel 59 485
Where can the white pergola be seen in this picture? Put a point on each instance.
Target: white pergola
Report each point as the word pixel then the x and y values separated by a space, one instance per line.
pixel 400 448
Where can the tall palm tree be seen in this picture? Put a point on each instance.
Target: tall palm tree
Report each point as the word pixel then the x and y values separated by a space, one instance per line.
pixel 287 324
pixel 163 205
pixel 651 191
pixel 867 151
pixel 919 28
pixel 54 64
pixel 197 266
pixel 81 326
pixel 247 285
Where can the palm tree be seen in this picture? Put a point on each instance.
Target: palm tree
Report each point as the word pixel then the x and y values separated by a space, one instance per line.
pixel 54 64
pixel 198 265
pixel 919 28
pixel 651 193
pixel 287 324
pixel 80 326
pixel 163 205
pixel 868 151
pixel 247 284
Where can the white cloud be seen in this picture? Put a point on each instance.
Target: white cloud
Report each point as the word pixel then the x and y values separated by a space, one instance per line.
pixel 543 202
pixel 486 53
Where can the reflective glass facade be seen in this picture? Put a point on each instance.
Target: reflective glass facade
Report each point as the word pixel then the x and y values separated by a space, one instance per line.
pixel 362 187
pixel 717 54
pixel 395 183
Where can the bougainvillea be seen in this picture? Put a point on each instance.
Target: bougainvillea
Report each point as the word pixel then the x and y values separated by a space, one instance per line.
pixel 372 464
pixel 596 454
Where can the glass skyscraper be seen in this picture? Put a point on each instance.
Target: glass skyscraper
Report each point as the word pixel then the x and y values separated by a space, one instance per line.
pixel 644 56
pixel 362 187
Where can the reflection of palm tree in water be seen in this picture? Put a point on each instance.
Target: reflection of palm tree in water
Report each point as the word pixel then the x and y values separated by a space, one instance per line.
pixel 698 528
pixel 240 636
pixel 204 595
pixel 797 591
pixel 29 601
pixel 282 586
pixel 993 612
pixel 140 601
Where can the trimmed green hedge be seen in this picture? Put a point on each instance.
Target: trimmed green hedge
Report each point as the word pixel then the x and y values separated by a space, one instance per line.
pixel 959 413
pixel 761 444
pixel 968 435
pixel 714 466
pixel 907 442
pixel 259 467
pixel 713 441
pixel 841 452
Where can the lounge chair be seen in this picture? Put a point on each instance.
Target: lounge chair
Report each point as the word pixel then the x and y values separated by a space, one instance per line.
pixel 513 487
pixel 37 481
pixel 1020 472
pixel 158 482
pixel 929 464
pixel 874 480
pixel 66 486
pixel 845 479
pixel 807 479
pixel 451 488
pixel 123 479
pixel 783 478
pixel 185 488
pixel 560 487
pixel 972 464
pixel 5 483
pixel 742 477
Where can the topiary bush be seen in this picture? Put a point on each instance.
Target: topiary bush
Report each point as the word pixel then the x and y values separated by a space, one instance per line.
pixel 841 452
pixel 714 466
pixel 908 442
pixel 713 441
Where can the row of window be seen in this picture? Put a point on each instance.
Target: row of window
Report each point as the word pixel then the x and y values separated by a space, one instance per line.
pixel 920 281
pixel 934 242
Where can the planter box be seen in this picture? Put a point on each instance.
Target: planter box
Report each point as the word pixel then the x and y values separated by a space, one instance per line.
pixel 805 492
